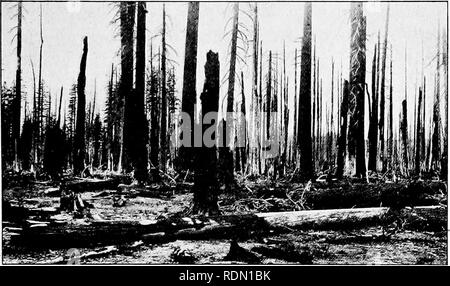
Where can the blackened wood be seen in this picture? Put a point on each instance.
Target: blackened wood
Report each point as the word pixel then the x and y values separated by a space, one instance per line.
pixel 304 121
pixel 79 140
pixel 205 179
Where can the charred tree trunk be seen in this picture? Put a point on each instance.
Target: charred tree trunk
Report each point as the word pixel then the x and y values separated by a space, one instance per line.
pixel 404 130
pixel 39 105
pixel 383 93
pixel 391 120
pixel 229 164
pixel 444 161
pixel 294 138
pixel 189 79
pixel 164 146
pixel 79 140
pixel 243 129
pixel 205 182
pixel 373 119
pixel 140 126
pixel 342 144
pixel 304 122
pixel 436 141
pixel 18 98
pixel 127 19
pixel 357 87
pixel 419 135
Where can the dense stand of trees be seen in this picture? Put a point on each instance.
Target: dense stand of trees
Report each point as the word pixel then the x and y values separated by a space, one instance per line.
pixel 132 134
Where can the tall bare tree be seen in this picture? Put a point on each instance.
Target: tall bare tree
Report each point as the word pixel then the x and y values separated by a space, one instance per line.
pixel 356 142
pixel 383 92
pixel 229 164
pixel 79 140
pixel 127 21
pixel 18 98
pixel 140 125
pixel 436 141
pixel 189 78
pixel 304 121
pixel 163 138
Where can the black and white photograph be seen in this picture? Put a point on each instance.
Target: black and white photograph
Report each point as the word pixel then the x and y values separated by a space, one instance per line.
pixel 224 133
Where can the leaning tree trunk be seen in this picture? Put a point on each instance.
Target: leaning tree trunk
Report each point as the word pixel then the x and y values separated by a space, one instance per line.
pixel 189 80
pixel 205 182
pixel 79 140
pixel 127 16
pixel 304 121
pixel 357 87
pixel 140 129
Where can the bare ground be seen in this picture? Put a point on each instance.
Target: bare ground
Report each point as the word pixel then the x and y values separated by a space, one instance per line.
pixel 364 246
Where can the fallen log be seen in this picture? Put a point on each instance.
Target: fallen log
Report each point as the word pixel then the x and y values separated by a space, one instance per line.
pixel 79 233
pixel 358 195
pixel 16 213
pixel 92 185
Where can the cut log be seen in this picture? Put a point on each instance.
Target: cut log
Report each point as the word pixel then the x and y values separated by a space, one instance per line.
pixel 87 233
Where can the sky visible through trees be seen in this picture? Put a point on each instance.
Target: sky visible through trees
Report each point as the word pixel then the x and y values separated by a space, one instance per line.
pixel 412 25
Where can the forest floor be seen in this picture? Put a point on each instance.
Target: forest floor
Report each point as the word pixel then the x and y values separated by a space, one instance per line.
pixel 370 245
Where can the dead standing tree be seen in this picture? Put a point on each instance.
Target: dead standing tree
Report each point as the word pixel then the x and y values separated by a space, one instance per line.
pixel 189 79
pixel 304 121
pixel 373 118
pixel 163 138
pixel 79 140
pixel 255 107
pixel 356 142
pixel 127 18
pixel 436 139
pixel 342 144
pixel 418 159
pixel 18 97
pixel 205 182
pixel 383 93
pixel 140 123
pixel 228 174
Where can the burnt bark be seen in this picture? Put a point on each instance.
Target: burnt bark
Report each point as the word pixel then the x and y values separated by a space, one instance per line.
pixel 342 144
pixel 127 19
pixel 189 96
pixel 205 180
pixel 357 88
pixel 304 121
pixel 79 140
pixel 140 125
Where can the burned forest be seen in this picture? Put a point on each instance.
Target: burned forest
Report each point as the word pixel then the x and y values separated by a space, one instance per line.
pixel 224 133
